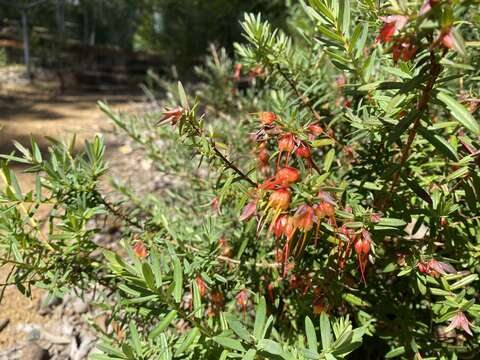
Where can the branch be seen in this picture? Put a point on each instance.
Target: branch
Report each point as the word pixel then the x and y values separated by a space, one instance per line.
pixel 422 104
pixel 305 101
pixel 222 157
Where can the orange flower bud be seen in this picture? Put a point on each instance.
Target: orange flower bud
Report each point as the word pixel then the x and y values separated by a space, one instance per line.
pixel 267 118
pixel 140 250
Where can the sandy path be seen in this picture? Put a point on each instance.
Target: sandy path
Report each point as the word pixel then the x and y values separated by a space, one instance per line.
pixel 30 113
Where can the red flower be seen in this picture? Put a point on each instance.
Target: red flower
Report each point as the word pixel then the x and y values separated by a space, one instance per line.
pixel 324 209
pixel 242 300
pixel 140 250
pixel 447 40
pixel 202 287
pixel 249 210
pixel 280 226
pixel 303 151
pixel 280 199
pixel 315 129
pixel 266 117
pixel 172 115
pixel 392 24
pixel 287 175
pixel 303 218
pixel 285 143
pixel 459 321
pixel 283 178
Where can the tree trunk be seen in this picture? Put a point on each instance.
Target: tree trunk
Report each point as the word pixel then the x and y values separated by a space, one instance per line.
pixel 61 18
pixel 26 43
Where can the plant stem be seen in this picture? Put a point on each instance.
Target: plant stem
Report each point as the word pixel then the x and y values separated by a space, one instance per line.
pixel 305 101
pixel 222 157
pixel 422 104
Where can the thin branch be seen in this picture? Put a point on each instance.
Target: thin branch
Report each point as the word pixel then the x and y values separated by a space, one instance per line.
pixel 422 104
pixel 222 157
pixel 305 101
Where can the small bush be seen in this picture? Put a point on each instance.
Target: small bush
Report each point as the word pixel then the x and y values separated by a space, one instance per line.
pixel 323 192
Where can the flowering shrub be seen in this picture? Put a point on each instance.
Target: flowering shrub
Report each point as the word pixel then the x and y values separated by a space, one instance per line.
pixel 327 197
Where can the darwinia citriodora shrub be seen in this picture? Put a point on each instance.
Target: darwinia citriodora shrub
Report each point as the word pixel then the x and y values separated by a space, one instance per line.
pixel 331 208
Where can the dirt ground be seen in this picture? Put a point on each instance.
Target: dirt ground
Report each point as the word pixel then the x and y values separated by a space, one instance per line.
pixel 27 111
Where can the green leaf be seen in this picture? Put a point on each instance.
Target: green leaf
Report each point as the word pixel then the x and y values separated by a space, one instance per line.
pixel 187 341
pixel 229 343
pixel 311 335
pixel 395 352
pixel 355 300
pixel 439 143
pixel 271 347
pixel 327 164
pixel 391 222
pixel 460 113
pixel 148 276
pixel 260 316
pixel 238 328
pixel 135 338
pixel 183 96
pixel 163 324
pixel 463 282
pixel 250 355
pixel 325 331
pixel 177 279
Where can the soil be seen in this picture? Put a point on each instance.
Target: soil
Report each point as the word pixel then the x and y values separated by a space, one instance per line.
pixel 33 111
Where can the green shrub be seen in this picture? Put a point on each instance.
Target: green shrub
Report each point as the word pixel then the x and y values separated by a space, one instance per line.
pixel 334 200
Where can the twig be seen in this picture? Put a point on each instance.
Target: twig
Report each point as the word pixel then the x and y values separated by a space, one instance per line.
pixel 422 104
pixel 236 262
pixel 305 101
pixel 225 160
pixel 31 220
pixel 118 213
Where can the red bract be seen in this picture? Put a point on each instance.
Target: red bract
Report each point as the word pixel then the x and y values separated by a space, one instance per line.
pixel 441 267
pixel 280 226
pixel 324 209
pixel 171 116
pixel 249 210
pixel 315 129
pixel 267 118
pixel 140 250
pixel 303 151
pixel 202 287
pixel 447 40
pixel 459 321
pixel 242 300
pixel 393 23
pixel 237 72
pixel 285 144
pixel 427 6
pixel 287 175
pixel 303 218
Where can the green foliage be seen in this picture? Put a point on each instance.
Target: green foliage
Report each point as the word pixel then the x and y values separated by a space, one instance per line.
pixel 321 196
